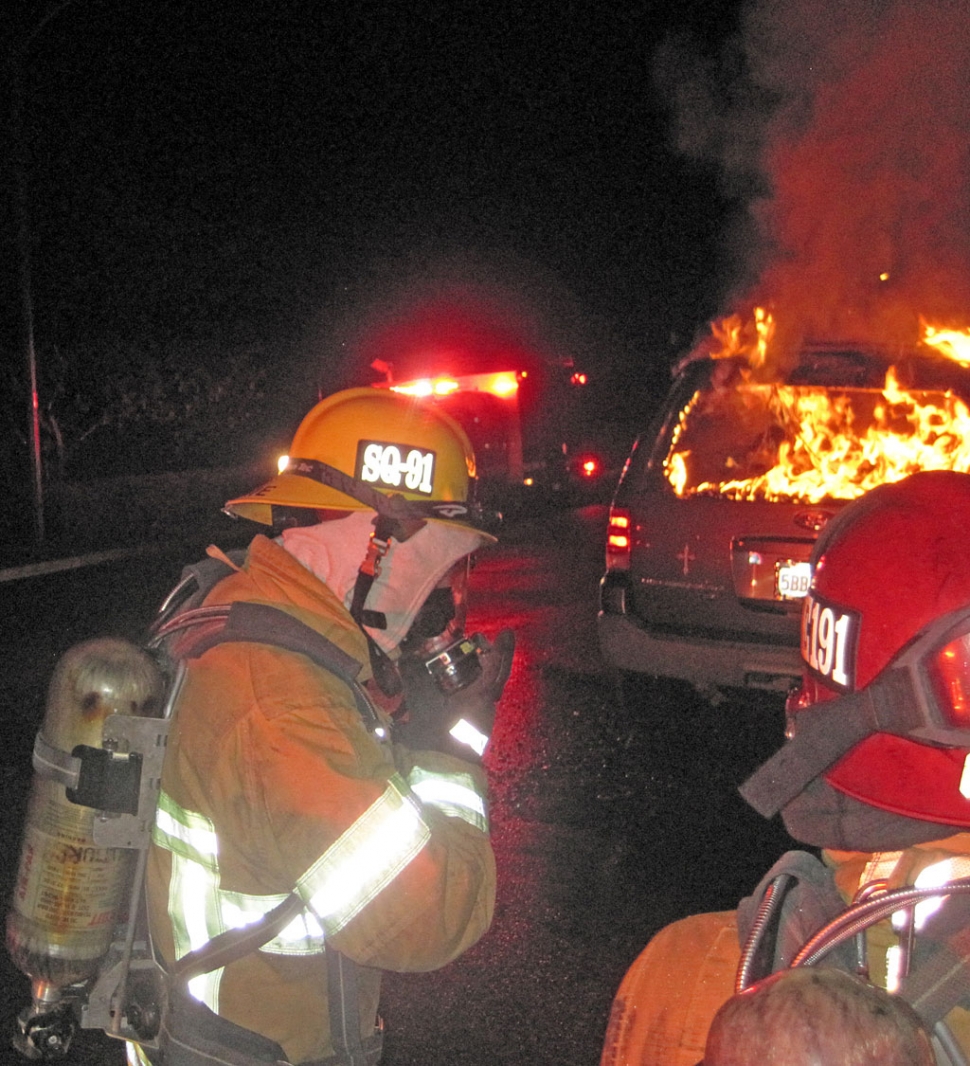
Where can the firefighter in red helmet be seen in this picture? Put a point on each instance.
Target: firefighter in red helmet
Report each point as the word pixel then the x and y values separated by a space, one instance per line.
pixel 875 771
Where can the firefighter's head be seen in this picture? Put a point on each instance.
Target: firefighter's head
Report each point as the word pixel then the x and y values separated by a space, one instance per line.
pixel 879 732
pixel 817 1016
pixel 356 454
pixel 394 444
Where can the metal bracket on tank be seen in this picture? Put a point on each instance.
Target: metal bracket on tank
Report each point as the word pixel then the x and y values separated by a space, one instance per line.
pixel 148 737
pixel 120 779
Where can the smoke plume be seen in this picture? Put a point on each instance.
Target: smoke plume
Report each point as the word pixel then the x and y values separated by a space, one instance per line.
pixel 843 128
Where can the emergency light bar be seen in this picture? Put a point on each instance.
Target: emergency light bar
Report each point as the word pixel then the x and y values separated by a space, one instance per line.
pixel 504 383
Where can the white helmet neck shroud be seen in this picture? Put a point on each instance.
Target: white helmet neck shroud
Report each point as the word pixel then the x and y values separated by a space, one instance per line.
pixel 333 551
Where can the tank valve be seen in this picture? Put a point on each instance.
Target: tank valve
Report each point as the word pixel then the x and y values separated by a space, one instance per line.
pixel 44 1035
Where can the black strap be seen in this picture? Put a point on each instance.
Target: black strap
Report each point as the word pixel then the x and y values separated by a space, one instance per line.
pixel 409 515
pixel 235 944
pixel 826 733
pixel 385 674
pixel 393 508
pixel 343 1001
pixel 261 623
pixel 192 1035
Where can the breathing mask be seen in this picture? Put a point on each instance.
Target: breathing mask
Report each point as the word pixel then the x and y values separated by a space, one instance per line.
pixel 436 644
pixel 452 680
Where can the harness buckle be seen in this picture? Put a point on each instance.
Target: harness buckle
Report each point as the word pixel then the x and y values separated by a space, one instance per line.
pixel 376 550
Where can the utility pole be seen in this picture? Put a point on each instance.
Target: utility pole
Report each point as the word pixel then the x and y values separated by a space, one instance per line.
pixel 17 64
pixel 24 258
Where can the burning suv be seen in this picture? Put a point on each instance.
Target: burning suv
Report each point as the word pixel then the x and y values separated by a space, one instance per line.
pixel 718 506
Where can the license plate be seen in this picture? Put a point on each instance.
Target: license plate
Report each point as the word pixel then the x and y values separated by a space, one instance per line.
pixel 792 580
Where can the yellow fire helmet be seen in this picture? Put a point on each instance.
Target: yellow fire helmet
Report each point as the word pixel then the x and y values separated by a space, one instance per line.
pixel 371 440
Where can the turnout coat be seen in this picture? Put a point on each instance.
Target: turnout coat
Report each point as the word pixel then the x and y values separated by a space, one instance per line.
pixel 668 998
pixel 272 782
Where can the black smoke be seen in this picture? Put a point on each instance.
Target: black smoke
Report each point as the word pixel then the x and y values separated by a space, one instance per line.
pixel 841 129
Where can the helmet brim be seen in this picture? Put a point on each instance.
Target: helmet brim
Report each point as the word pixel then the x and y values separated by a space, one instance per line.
pixel 294 490
pixel 289 490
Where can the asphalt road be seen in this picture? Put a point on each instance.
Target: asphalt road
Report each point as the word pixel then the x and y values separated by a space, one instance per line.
pixel 610 817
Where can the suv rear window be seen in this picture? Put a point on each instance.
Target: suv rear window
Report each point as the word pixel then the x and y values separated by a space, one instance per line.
pixel 746 440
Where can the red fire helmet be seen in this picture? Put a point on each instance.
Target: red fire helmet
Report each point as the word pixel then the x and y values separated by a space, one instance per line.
pixel 891 586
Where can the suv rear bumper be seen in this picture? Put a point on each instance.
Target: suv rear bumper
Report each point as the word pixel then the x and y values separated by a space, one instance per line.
pixel 731 664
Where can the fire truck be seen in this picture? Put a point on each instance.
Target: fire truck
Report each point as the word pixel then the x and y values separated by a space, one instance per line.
pixel 528 425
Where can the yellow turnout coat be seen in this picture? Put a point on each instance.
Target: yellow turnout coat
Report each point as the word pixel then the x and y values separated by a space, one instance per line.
pixel 272 783
pixel 665 1004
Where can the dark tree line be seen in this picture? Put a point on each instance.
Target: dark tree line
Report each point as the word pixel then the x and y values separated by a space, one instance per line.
pixel 120 412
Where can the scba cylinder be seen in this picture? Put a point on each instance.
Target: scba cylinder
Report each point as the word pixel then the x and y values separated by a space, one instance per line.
pixel 70 892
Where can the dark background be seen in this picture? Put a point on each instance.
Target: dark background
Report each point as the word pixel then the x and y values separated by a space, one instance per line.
pixel 250 187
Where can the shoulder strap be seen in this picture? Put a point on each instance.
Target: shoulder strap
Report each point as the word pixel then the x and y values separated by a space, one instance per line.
pixel 261 623
pixel 197 580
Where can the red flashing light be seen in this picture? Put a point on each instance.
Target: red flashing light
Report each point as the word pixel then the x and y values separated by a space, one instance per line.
pixel 579 378
pixel 504 385
pixel 428 387
pixel 589 467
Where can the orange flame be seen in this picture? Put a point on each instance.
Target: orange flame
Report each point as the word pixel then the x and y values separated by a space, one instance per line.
pixel 735 337
pixel 953 343
pixel 763 441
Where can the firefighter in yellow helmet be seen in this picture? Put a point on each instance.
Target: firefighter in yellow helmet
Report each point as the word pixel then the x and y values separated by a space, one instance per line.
pixel 356 791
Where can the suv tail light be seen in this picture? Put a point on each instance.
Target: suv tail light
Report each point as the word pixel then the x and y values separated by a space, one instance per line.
pixel 619 539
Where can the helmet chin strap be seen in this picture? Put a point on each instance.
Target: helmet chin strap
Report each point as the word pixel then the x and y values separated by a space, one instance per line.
pixel 827 731
pixel 402 518
pixel 409 515
pixel 385 673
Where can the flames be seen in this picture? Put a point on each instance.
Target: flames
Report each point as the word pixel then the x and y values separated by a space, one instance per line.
pixel 953 343
pixel 754 440
pixel 734 336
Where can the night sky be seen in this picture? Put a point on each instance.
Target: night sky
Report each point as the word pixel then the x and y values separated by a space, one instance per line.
pixel 283 181
pixel 268 173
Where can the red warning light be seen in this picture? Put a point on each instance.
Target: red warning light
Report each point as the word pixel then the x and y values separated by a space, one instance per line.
pixel 589 467
pixel 428 387
pixel 579 378
pixel 503 384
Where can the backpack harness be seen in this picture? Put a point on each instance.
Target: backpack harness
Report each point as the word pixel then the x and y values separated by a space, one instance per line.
pixel 796 918
pixel 133 997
